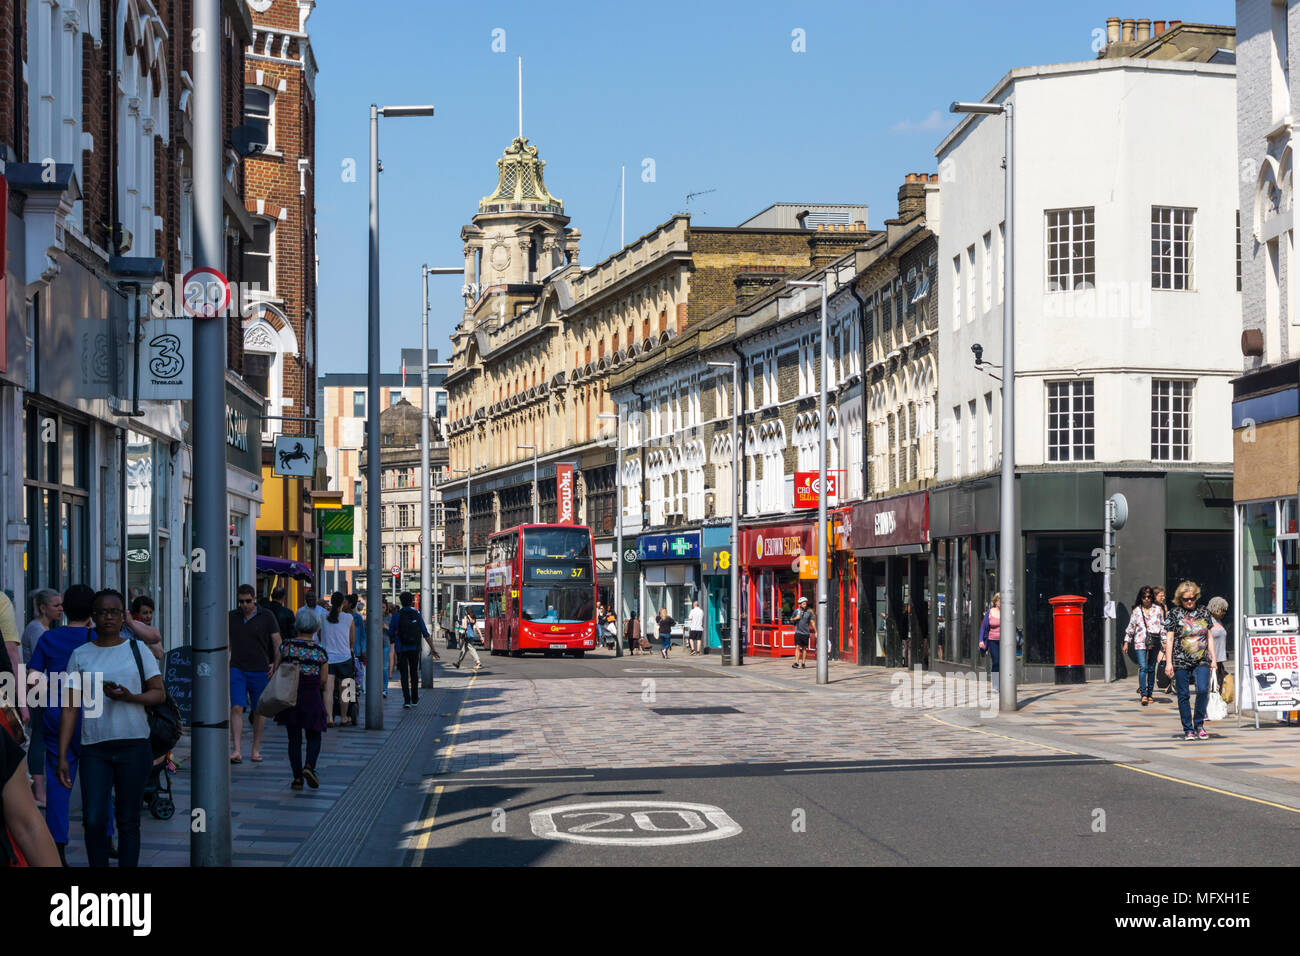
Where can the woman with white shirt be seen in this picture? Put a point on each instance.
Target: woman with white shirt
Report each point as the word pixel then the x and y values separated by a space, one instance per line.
pixel 1146 632
pixel 115 758
pixel 338 635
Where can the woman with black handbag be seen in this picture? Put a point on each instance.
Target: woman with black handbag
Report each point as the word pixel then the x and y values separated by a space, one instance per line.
pixel 116 756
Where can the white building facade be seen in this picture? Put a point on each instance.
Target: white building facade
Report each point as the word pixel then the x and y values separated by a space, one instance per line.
pixel 1125 270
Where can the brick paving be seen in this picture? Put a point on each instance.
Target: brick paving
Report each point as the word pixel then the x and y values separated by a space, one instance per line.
pixel 270 821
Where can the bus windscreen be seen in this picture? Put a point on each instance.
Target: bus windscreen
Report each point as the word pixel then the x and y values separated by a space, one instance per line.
pixel 557 604
pixel 557 543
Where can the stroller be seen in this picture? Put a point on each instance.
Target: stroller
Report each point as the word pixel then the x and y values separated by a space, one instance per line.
pixel 158 791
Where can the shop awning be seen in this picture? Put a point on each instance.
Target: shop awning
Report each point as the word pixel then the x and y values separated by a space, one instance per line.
pixel 283 566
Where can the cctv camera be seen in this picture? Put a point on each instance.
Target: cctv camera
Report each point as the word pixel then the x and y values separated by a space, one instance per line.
pixel 979 353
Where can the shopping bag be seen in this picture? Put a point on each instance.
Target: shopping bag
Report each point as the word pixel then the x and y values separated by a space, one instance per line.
pixel 281 691
pixel 1215 708
pixel 1228 690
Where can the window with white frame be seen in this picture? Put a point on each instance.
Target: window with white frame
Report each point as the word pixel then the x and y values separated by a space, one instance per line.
pixel 1171 420
pixel 142 121
pixel 259 113
pixel 753 471
pixel 1002 261
pixel 970 283
pixel 1071 249
pixel 1070 420
pixel 956 291
pixel 956 441
pixel 988 430
pixel 722 475
pixel 695 481
pixel 259 256
pixel 1171 247
pixel 987 264
pixel 972 430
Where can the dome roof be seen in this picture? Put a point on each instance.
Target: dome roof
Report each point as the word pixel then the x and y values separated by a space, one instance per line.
pixel 519 183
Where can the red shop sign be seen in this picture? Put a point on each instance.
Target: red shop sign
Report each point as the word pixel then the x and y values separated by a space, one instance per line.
pixel 807 489
pixel 777 546
pixel 564 493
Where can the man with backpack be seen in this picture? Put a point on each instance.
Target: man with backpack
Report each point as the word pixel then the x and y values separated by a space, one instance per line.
pixel 406 629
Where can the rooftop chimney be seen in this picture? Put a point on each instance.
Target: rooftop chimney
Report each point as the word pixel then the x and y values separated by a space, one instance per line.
pixel 1144 29
pixel 1175 24
pixel 1126 33
pixel 1112 29
pixel 1157 27
pixel 911 195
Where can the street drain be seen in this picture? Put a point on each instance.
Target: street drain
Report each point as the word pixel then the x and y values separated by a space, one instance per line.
pixel 688 711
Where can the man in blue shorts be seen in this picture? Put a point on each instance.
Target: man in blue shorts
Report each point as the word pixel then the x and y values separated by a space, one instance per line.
pixel 254 656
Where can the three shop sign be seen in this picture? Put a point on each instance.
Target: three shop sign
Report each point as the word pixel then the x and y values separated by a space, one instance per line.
pixel 808 488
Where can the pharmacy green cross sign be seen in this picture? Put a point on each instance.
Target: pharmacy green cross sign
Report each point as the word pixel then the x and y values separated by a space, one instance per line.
pixel 679 547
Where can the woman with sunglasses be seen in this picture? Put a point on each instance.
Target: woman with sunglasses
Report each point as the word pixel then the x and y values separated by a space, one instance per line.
pixel 115 755
pixel 1145 631
pixel 1189 655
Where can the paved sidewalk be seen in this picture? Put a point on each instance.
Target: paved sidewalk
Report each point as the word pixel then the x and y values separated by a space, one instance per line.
pixel 270 822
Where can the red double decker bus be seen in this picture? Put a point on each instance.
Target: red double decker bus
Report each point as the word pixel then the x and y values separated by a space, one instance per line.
pixel 540 592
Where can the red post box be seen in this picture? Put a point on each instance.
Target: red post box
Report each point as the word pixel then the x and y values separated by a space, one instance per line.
pixel 1067 629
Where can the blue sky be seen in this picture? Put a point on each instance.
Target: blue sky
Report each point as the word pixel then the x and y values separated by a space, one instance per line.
pixel 712 92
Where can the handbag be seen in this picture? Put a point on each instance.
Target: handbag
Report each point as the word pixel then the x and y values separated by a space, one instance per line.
pixel 281 691
pixel 164 719
pixel 1163 680
pixel 1228 690
pixel 1215 707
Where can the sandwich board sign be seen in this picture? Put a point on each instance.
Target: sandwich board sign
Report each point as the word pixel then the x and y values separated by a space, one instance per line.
pixel 1274 661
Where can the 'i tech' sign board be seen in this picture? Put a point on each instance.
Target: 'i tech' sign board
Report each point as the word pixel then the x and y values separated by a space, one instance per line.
pixel 1275 661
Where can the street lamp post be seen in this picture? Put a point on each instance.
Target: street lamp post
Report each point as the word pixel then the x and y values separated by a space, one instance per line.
pixel 374 540
pixel 734 611
pixel 426 484
pixel 533 449
pixel 1008 538
pixel 618 529
pixel 823 639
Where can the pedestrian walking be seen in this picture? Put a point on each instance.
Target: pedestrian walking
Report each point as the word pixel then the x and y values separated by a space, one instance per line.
pixel 695 627
pixel 115 754
pixel 1218 607
pixel 254 656
pixel 49 612
pixel 467 645
pixel 1146 632
pixel 313 605
pixel 13 645
pixel 24 838
pixel 139 625
pixel 804 629
pixel 338 634
pixel 1189 656
pixel 408 629
pixel 389 656
pixel 665 623
pixel 632 631
pixel 307 716
pixel 991 637
pixel 283 616
pixel 49 664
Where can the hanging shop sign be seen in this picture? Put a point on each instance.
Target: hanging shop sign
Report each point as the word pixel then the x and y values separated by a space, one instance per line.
pixel 295 456
pixel 564 494
pixel 808 486
pixel 683 546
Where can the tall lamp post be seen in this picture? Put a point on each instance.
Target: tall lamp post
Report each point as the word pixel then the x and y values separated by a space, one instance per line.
pixel 426 483
pixel 823 639
pixel 533 449
pixel 374 540
pixel 1008 538
pixel 618 528
pixel 735 508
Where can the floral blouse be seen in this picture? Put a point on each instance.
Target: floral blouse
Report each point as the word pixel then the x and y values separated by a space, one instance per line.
pixel 1191 630
pixel 1149 621
pixel 308 654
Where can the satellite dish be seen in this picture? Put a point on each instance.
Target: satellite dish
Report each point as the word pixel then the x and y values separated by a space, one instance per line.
pixel 1119 516
pixel 248 140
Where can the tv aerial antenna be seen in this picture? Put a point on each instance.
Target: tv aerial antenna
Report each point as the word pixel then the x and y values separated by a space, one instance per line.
pixel 690 196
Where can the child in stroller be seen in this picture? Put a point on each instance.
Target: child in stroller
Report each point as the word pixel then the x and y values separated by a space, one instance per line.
pixel 158 791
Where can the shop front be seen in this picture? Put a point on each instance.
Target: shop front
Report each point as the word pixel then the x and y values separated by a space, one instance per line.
pixel 963 522
pixel 890 538
pixel 842 609
pixel 776 571
pixel 670 575
pixel 716 565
